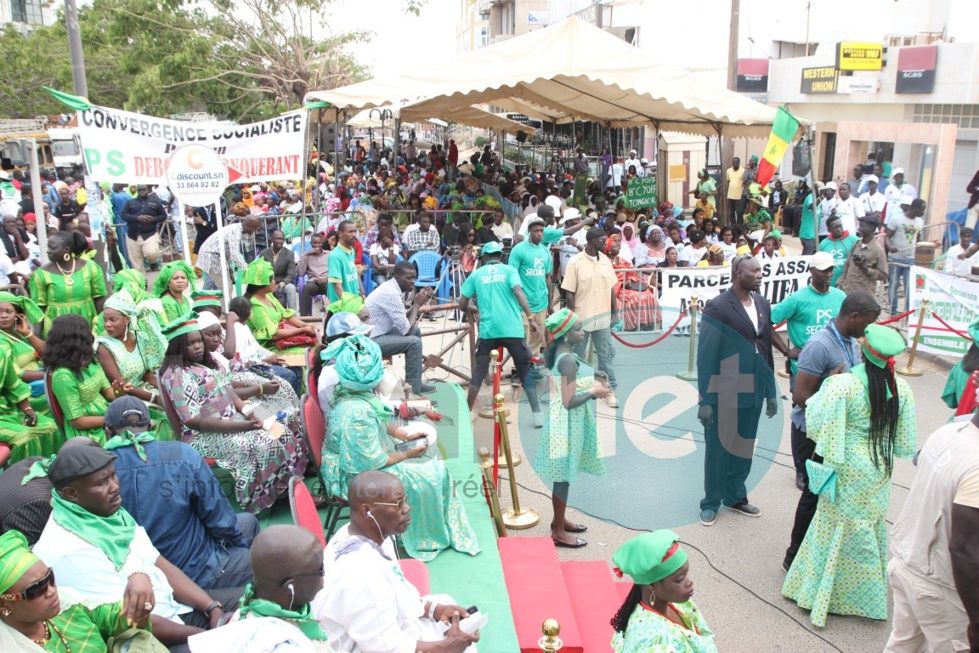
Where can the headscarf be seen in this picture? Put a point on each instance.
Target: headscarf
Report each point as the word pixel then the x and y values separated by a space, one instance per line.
pixel 15 559
pixel 560 322
pixel 258 273
pixel 31 310
pixel 163 281
pixel 632 242
pixel 358 362
pixel 133 281
pixel 650 557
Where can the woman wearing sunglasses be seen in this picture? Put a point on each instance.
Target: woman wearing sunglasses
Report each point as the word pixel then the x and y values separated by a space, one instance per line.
pixel 34 618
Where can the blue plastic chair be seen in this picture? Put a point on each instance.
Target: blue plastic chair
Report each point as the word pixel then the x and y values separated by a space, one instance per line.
pixel 427 263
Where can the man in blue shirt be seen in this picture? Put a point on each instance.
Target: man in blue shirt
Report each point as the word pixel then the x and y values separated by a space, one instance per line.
pixel 171 492
pixel 118 200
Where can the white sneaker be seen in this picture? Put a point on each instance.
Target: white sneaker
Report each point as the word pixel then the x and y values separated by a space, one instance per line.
pixel 612 400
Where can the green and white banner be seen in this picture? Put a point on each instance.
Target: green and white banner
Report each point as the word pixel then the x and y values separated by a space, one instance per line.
pixel 954 299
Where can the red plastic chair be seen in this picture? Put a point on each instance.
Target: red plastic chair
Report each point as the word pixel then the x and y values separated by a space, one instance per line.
pixel 314 430
pixel 304 511
pixel 4 454
pixel 312 386
pixel 416 573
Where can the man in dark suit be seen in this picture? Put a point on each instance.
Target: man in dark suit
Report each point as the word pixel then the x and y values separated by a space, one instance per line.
pixel 735 378
pixel 284 264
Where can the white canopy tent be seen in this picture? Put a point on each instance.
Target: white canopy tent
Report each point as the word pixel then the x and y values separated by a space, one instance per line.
pixel 465 115
pixel 569 71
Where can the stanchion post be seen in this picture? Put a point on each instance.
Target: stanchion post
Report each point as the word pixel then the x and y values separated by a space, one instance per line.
pixel 909 370
pixel 550 642
pixel 516 518
pixel 490 492
pixel 691 373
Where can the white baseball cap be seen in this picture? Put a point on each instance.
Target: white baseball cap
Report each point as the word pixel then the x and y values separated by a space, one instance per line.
pixel 831 184
pixel 553 201
pixel 906 199
pixel 570 214
pixel 873 178
pixel 897 171
pixel 822 261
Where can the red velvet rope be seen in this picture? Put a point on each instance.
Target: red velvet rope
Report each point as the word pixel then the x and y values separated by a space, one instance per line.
pixel 951 328
pixel 654 342
pixel 898 317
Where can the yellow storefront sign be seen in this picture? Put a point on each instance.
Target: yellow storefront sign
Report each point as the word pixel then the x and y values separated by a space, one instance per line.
pixel 853 55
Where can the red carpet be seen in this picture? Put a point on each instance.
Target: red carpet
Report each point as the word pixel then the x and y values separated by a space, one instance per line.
pixel 537 592
pixel 594 600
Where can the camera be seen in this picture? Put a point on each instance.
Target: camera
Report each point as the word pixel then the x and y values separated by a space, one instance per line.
pixel 860 259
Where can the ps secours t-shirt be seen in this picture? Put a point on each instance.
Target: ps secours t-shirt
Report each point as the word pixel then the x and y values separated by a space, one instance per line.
pixel 499 312
pixel 341 267
pixel 533 263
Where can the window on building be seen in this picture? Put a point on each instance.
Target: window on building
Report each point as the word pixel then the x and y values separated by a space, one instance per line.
pixel 484 15
pixel 965 116
pixel 28 12
pixel 483 36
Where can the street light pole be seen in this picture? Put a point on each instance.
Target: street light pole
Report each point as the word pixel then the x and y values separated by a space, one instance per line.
pixel 75 49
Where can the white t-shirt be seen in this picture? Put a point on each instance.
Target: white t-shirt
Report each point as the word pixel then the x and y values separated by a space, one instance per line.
pixel 730 251
pixel 85 569
pixel 324 387
pixel 692 255
pixel 6 267
pixel 905 235
pixel 872 203
pixel 893 195
pixel 752 313
pixel 385 256
pixel 247 347
pixel 848 211
pixel 825 209
pixel 615 175
pixel 955 265
pixel 640 171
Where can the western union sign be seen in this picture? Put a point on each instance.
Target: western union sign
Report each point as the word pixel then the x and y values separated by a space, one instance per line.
pixel 822 80
pixel 851 55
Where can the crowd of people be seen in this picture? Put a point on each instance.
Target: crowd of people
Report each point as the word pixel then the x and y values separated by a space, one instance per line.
pixel 110 397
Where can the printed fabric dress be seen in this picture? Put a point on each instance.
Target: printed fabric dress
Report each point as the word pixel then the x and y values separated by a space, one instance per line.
pixel 56 297
pixel 133 365
pixel 260 464
pixel 285 400
pixel 569 441
pixel 841 567
pixel 25 358
pixel 42 439
pixel 651 632
pixel 264 322
pixel 81 397
pixel 639 308
pixel 354 445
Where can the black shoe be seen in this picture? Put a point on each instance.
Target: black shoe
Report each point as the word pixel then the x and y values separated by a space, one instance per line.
pixel 423 389
pixel 786 563
pixel 746 509
pixel 800 481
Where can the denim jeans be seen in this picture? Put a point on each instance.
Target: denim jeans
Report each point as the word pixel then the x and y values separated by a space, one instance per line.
pixel 603 351
pixel 393 343
pixel 900 273
pixel 229 567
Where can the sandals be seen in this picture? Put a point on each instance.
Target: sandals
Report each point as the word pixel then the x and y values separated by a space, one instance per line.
pixel 578 528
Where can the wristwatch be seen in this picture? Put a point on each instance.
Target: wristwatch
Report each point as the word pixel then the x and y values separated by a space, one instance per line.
pixel 209 609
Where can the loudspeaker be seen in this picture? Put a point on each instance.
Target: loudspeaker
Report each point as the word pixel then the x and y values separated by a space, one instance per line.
pixel 521 136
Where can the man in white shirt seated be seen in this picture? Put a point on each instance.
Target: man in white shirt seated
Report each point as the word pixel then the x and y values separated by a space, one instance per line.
pixel 96 548
pixel 366 604
pixel 956 265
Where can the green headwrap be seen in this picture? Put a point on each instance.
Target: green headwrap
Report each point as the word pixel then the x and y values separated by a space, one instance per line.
pixel 358 362
pixel 974 331
pixel 650 557
pixel 560 322
pixel 31 310
pixel 130 439
pixel 131 280
pixel 302 618
pixel 258 273
pixel 183 324
pixel 15 559
pixel 163 281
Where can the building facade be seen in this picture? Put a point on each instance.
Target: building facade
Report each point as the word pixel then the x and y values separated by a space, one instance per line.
pixel 25 14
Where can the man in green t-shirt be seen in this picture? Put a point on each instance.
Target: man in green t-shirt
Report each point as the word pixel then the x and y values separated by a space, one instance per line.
pixel 807 226
pixel 533 262
pixel 342 276
pixel 501 301
pixel 805 312
pixel 838 244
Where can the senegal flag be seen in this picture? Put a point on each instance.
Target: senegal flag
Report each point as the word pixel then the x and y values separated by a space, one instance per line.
pixel 783 131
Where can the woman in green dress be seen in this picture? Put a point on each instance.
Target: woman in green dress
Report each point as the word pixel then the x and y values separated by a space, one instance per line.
pixel 68 284
pixel 21 427
pixel 77 380
pixel 658 616
pixel 134 281
pixel 214 425
pixel 25 348
pixel 130 353
pixel 569 442
pixel 170 286
pixel 357 440
pixel 35 616
pixel 958 376
pixel 860 422
pixel 269 321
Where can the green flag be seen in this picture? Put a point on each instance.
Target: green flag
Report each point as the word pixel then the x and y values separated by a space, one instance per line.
pixel 73 101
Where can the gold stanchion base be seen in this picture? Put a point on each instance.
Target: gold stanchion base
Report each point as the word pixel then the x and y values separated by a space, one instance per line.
pixel 486 412
pixel 783 374
pixel 909 372
pixel 488 464
pixel 523 520
pixel 687 376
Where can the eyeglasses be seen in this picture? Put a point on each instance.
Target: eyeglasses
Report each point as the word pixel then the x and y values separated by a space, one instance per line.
pixel 402 502
pixel 34 591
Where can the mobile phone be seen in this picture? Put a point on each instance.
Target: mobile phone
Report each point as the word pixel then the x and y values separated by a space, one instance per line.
pixel 472 609
pixel 408 445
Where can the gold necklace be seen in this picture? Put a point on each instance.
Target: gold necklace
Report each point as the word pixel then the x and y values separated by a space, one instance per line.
pixel 68 280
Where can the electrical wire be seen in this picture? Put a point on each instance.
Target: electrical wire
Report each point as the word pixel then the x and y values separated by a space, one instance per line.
pixel 706 558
